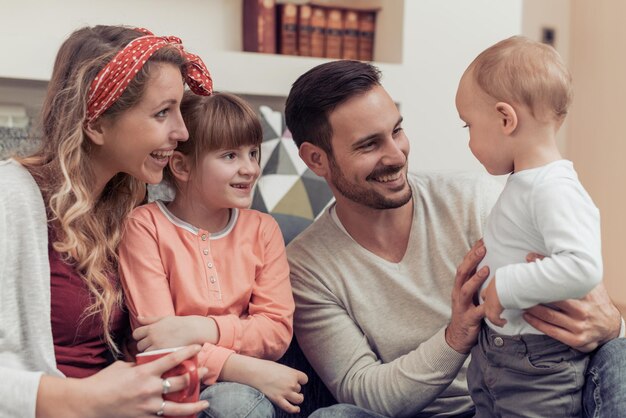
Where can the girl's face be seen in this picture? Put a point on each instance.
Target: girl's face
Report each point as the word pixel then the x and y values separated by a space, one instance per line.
pixel 140 140
pixel 225 178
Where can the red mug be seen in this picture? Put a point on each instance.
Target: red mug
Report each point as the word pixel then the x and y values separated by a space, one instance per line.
pixel 192 392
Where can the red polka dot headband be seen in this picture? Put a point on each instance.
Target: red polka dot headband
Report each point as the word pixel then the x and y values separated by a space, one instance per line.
pixel 113 79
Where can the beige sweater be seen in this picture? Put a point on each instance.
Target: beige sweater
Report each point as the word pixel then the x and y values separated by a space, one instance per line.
pixel 374 330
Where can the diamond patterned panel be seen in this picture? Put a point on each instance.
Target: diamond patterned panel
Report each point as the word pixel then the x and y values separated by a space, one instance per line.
pixel 287 189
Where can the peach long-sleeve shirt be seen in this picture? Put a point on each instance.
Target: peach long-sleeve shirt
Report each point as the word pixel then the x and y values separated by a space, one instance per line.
pixel 238 276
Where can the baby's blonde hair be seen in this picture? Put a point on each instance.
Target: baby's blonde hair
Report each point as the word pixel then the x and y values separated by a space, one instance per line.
pixel 521 71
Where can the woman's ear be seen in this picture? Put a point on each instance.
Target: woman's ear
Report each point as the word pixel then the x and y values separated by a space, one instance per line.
pixel 315 158
pixel 179 166
pixel 95 132
pixel 508 117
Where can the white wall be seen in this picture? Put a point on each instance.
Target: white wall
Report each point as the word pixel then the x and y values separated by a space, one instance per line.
pixel 32 30
pixel 441 38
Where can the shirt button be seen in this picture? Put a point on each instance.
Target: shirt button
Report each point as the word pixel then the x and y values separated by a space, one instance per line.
pixel 210 265
pixel 205 251
pixel 203 237
pixel 212 279
pixel 498 341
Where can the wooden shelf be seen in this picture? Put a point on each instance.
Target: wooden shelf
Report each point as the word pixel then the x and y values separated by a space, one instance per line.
pixel 388 42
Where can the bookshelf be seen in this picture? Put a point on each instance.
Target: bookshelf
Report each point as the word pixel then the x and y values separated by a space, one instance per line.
pixel 273 74
pixel 388 41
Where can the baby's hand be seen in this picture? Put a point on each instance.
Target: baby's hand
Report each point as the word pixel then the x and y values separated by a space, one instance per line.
pixel 281 384
pixel 492 305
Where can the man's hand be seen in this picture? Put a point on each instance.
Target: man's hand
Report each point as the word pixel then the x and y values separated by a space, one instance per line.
pixel 462 332
pixel 491 301
pixel 583 324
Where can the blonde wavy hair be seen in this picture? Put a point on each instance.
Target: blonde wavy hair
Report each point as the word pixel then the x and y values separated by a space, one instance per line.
pixel 88 227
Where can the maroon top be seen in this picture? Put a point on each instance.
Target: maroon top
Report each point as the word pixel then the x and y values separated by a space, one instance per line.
pixel 79 346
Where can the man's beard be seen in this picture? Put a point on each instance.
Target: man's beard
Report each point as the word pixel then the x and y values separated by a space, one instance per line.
pixel 366 196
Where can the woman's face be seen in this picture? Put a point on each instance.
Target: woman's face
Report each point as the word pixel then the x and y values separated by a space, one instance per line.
pixel 140 140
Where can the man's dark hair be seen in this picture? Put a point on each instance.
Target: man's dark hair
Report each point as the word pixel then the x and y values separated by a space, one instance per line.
pixel 318 92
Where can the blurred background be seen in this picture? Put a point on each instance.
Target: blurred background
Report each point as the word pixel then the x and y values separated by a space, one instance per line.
pixel 422 47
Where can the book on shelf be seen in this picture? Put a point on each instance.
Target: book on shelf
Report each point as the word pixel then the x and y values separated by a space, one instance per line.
pixel 318 31
pixel 334 33
pixel 352 37
pixel 304 30
pixel 316 28
pixel 287 28
pixel 350 49
pixel 367 29
pixel 347 4
pixel 259 26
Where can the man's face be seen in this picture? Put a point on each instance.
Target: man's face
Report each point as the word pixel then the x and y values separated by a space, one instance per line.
pixel 368 165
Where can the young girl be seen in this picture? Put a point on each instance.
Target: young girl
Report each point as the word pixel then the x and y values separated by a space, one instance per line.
pixel 216 269
pixel 108 121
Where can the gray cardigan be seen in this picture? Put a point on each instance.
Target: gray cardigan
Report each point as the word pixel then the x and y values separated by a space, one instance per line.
pixel 26 348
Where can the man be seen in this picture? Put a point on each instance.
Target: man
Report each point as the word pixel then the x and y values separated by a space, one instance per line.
pixel 372 277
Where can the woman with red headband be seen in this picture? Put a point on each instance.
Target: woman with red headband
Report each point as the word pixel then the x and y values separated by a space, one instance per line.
pixel 110 121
